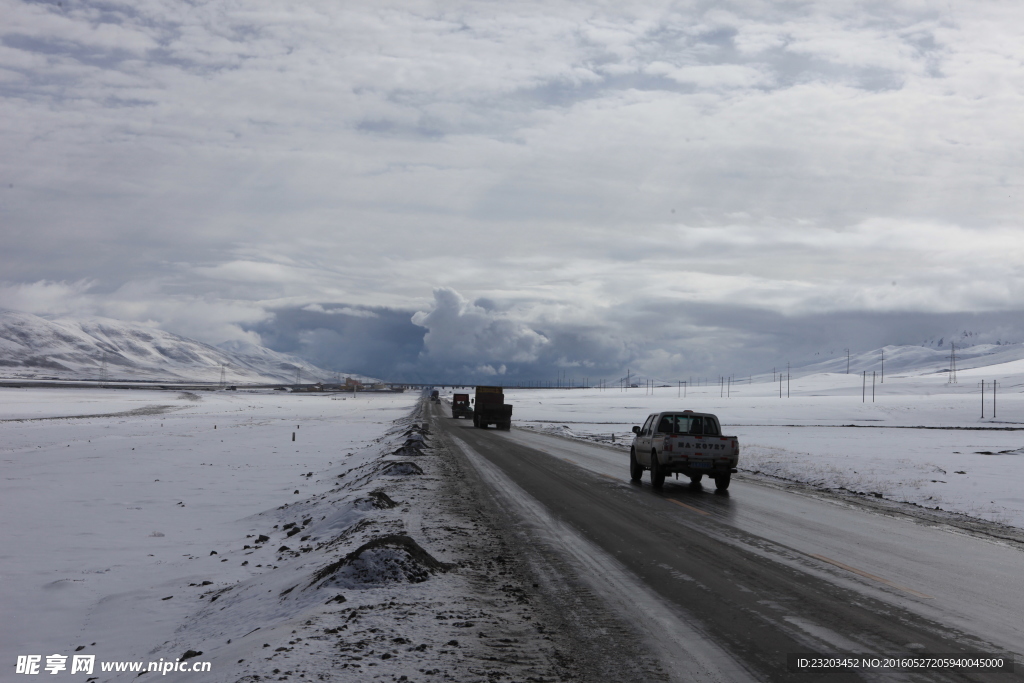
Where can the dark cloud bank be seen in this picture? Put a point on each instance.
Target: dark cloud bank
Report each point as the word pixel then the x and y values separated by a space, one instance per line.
pixel 484 340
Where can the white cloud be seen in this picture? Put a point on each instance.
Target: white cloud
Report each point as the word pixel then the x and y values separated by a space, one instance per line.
pixel 460 333
pixel 712 76
pixel 206 319
pixel 47 298
pixel 341 310
pixel 200 165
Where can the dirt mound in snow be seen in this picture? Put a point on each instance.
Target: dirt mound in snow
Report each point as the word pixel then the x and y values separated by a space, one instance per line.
pixel 400 469
pixel 421 429
pixel 384 560
pixel 410 448
pixel 375 500
pixel 415 442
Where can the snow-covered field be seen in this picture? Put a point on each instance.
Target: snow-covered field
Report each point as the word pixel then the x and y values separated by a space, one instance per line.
pixel 191 526
pixel 105 517
pixel 921 440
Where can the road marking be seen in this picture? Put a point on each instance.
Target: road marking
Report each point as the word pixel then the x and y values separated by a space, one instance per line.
pixel 609 476
pixel 689 507
pixel 568 460
pixel 865 574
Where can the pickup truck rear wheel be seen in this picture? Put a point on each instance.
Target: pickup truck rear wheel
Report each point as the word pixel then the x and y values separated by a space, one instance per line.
pixel 722 481
pixel 657 475
pixel 636 470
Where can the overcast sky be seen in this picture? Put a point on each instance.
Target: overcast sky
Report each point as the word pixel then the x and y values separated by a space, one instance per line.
pixel 447 189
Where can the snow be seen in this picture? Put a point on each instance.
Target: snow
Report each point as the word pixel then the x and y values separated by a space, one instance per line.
pixel 921 441
pixel 107 516
pixel 182 522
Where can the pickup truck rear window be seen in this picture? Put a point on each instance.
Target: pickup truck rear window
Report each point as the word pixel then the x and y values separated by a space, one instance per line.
pixel 686 424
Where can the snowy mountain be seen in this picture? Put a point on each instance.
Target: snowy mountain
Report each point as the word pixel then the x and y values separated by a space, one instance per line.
pixel 931 359
pixel 916 360
pixel 32 347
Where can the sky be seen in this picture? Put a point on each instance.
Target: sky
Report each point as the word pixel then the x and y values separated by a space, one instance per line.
pixel 440 190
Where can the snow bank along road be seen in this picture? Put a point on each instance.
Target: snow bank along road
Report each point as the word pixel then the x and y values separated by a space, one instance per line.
pixel 722 587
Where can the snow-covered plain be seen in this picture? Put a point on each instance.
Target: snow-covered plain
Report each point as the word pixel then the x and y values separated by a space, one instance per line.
pixel 103 514
pixel 158 523
pixel 921 440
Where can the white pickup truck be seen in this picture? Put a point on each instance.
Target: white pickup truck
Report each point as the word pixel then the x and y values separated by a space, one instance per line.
pixel 683 442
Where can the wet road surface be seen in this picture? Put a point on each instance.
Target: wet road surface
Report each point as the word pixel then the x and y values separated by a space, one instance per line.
pixel 762 572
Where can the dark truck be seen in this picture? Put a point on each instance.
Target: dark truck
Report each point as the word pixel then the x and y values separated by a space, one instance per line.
pixel 491 409
pixel 435 396
pixel 461 406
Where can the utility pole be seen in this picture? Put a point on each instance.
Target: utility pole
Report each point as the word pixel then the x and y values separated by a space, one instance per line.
pixel 982 399
pixel 883 367
pixel 872 386
pixel 952 363
pixel 994 398
pixel 787 380
pixel 847 361
pixel 863 385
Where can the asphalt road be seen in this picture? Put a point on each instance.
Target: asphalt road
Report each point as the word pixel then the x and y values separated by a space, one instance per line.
pixel 762 572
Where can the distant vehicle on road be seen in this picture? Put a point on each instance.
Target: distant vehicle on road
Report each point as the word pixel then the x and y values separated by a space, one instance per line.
pixel 435 396
pixel 683 442
pixel 461 406
pixel 491 409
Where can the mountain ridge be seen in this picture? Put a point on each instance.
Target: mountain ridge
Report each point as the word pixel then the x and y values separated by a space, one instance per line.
pixel 33 347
